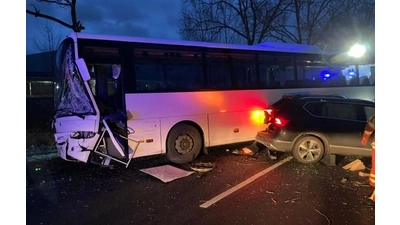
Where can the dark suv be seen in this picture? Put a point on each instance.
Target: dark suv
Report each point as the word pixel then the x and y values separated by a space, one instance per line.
pixel 311 127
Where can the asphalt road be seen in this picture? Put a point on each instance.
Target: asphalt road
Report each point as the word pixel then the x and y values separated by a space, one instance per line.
pixel 238 190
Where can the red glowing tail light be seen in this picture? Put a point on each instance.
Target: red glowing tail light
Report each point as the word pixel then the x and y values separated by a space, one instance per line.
pixel 272 118
pixel 280 122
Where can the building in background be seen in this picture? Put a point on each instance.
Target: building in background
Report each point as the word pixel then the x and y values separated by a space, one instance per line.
pixel 39 86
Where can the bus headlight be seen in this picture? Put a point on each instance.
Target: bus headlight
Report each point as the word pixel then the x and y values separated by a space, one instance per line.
pixel 82 134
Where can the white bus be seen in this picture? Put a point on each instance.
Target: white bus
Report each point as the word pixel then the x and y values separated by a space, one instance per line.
pixel 119 98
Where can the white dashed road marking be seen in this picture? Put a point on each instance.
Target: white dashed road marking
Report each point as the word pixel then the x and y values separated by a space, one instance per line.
pixel 249 180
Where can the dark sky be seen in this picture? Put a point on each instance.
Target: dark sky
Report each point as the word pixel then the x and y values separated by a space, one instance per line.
pixel 143 18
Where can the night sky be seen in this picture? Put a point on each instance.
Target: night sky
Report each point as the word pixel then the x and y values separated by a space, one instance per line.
pixel 149 18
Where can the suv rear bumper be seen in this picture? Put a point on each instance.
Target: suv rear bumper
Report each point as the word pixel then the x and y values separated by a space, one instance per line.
pixel 272 143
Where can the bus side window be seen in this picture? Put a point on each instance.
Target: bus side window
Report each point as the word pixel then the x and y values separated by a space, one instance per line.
pixel 161 70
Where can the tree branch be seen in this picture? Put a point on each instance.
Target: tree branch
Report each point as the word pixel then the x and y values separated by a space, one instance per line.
pixel 76 25
pixel 38 14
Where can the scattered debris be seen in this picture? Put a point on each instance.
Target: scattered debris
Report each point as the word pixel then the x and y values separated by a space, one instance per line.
pixel 270 192
pixel 273 155
pixel 353 189
pixel 292 200
pixel 344 179
pixel 202 167
pixel 273 199
pixel 200 175
pixel 362 184
pixel 329 221
pixel 362 174
pixel 244 164
pixel 243 151
pixel 355 165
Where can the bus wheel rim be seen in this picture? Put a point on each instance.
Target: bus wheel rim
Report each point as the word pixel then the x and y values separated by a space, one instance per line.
pixel 184 144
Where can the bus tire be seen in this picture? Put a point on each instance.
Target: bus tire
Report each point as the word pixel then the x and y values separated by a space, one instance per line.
pixel 184 143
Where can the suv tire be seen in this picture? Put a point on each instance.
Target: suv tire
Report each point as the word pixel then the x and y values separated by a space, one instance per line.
pixel 308 150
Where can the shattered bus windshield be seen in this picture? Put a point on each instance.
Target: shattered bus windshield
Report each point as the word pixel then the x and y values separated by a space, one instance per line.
pixel 71 96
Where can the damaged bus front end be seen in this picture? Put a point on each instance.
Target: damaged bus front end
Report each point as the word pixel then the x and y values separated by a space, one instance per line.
pixel 76 119
pixel 82 133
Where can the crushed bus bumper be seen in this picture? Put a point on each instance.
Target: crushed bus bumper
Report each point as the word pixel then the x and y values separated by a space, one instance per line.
pixel 71 149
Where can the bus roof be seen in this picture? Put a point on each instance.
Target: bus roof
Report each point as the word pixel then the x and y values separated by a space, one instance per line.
pixel 266 46
pixel 291 47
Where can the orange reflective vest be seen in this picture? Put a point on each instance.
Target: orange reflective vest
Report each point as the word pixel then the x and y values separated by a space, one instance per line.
pixel 368 131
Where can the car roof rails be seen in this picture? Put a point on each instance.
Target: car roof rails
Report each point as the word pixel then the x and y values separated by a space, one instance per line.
pixel 314 96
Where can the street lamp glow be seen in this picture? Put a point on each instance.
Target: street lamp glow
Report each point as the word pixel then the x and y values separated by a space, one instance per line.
pixel 357 51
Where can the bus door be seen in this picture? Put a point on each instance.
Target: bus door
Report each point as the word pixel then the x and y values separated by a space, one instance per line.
pixel 105 84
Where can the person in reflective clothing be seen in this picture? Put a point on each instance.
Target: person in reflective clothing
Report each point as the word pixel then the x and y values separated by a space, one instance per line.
pixel 369 132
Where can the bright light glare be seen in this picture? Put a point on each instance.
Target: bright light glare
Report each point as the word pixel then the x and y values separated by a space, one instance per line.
pixel 257 116
pixel 357 51
pixel 278 121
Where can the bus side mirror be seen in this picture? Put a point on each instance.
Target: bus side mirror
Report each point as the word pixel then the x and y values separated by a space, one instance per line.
pixel 80 63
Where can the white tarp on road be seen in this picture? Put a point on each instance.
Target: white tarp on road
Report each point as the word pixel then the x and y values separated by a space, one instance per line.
pixel 167 173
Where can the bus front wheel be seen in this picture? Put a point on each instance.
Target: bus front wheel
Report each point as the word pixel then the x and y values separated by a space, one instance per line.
pixel 183 144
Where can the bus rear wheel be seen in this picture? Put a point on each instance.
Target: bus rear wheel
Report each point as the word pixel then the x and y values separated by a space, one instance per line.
pixel 183 144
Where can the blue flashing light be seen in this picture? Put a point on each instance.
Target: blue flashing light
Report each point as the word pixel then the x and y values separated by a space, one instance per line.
pixel 351 72
pixel 325 74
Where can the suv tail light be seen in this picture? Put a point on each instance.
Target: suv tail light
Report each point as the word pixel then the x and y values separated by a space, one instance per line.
pixel 271 118
pixel 280 122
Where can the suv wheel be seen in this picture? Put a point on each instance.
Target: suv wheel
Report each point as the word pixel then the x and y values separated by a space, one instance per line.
pixel 308 150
